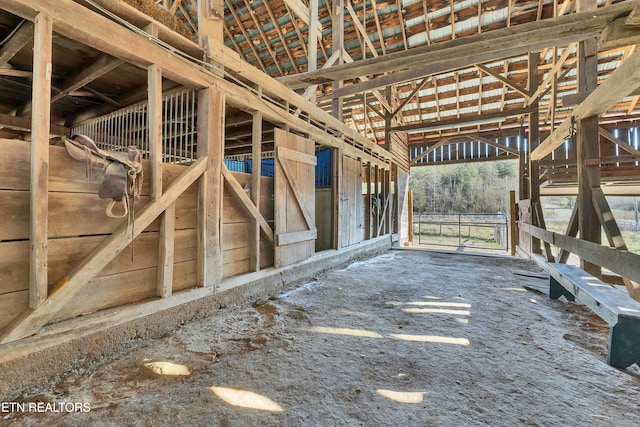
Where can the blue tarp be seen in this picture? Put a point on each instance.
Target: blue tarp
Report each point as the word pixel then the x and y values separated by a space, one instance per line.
pixel 323 167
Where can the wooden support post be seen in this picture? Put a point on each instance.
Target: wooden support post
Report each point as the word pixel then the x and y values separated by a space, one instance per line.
pixel 395 212
pixel 572 231
pixel 541 223
pixel 166 251
pixel 534 141
pixel 614 236
pixel 410 213
pixel 338 46
pixel 154 117
pixel 513 222
pixel 312 41
pixel 387 201
pixel 336 197
pixel 367 203
pixel 167 219
pixel 256 172
pixel 379 204
pixel 39 187
pixel 523 163
pixel 210 23
pixel 211 107
pixel 588 148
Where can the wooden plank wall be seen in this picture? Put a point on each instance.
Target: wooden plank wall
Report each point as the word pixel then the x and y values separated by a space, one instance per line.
pixel 78 224
pixel 400 150
pixel 236 228
pixel 352 200
pixel 324 208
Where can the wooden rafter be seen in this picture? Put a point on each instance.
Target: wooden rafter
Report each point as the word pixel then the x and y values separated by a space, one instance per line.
pixel 246 36
pixel 401 20
pixel 263 36
pixel 430 150
pixel 302 12
pixel 378 27
pixel 557 67
pixel 623 81
pixel 480 48
pixel 619 142
pixel 504 80
pixel 283 40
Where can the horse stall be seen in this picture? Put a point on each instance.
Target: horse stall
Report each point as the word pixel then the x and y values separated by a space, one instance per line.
pixel 185 234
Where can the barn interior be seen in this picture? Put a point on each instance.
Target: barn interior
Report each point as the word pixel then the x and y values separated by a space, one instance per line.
pixel 277 140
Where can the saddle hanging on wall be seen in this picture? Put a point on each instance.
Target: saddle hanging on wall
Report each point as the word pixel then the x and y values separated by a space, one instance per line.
pixel 122 181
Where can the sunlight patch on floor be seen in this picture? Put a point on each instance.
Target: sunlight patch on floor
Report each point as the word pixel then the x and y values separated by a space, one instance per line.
pixel 431 338
pixel 437 310
pixel 246 399
pixel 402 396
pixel 345 331
pixel 168 368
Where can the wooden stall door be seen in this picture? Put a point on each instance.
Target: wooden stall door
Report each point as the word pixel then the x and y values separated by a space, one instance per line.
pixel 294 198
pixel 352 203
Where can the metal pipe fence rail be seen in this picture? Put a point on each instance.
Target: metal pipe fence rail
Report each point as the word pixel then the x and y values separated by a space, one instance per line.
pixel 483 231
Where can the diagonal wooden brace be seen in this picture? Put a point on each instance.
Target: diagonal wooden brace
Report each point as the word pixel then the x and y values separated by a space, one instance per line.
pixel 32 320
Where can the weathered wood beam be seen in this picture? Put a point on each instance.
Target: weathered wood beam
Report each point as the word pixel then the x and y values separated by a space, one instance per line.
pixel 245 202
pixel 495 144
pixel 462 121
pixel 39 171
pixel 302 12
pixel 64 290
pixel 337 45
pixel 211 112
pixel 100 66
pixel 614 236
pixel 375 92
pixel 255 189
pixel 622 144
pixel 624 263
pixel 408 99
pixel 544 86
pixel 429 150
pixel 24 124
pixel 623 81
pixel 361 30
pixel 471 50
pixel 16 43
pixel 504 80
pixel 71 20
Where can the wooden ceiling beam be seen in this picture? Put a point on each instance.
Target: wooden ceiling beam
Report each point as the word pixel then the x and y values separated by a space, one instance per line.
pixel 455 54
pixel 457 122
pixel 622 82
pixel 23 35
pixel 504 80
pixel 302 12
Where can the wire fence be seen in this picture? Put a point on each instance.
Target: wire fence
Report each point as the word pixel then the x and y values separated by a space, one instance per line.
pixel 486 231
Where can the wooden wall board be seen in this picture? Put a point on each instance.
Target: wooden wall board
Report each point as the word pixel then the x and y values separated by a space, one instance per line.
pixel 323 218
pixel 76 214
pixel 12 304
pixel 65 173
pixel 65 254
pixel 294 198
pixel 184 275
pixel 110 291
pixel 352 210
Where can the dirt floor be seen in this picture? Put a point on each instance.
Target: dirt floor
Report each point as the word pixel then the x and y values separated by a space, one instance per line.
pixel 408 338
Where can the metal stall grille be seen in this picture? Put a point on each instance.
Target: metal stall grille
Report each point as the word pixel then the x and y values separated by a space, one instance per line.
pixel 130 126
